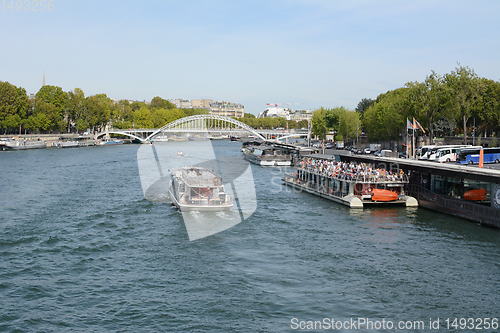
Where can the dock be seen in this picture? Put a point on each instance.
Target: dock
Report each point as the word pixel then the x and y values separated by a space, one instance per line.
pixel 442 186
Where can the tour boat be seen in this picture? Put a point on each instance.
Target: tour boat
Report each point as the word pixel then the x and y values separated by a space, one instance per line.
pixel 352 190
pixel 197 188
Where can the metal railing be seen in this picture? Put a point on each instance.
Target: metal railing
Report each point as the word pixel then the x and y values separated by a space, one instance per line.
pixel 314 186
pixel 359 178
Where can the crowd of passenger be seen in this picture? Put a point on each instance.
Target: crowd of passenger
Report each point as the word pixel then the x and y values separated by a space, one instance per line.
pixel 350 171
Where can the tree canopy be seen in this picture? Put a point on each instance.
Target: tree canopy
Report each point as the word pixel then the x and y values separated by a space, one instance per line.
pixel 439 104
pixel 443 104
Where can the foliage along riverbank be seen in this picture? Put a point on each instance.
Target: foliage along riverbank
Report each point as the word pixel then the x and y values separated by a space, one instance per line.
pixel 447 105
pixel 444 105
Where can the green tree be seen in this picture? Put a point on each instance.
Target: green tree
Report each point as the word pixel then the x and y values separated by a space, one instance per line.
pixel 493 142
pixel 349 123
pixel 12 122
pixel 466 92
pixel 57 98
pixel 429 100
pixel 161 117
pixel 8 97
pixel 142 118
pixel 319 123
pixel 363 105
pixel 97 112
pixel 76 110
pixel 489 104
pixel 14 104
pixel 160 103
pixel 386 118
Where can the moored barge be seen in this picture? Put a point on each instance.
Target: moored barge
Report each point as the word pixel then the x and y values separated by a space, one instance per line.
pixel 354 188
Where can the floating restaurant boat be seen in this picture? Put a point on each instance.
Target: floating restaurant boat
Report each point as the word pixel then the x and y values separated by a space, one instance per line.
pixel 196 188
pixel 352 189
pixel 22 144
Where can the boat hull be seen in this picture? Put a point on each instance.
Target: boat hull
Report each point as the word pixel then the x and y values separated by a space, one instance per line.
pixel 204 208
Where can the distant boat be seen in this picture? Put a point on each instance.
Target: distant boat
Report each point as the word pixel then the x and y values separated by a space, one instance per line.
pixel 22 145
pixel 111 142
pixel 65 144
pixel 178 138
pixel 162 138
pixel 267 156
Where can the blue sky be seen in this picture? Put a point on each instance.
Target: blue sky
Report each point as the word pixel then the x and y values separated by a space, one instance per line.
pixel 316 53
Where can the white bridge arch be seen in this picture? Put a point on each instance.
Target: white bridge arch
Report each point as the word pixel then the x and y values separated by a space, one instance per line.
pixel 120 132
pixel 206 123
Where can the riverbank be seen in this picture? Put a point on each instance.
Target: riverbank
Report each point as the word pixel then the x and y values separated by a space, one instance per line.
pixel 50 139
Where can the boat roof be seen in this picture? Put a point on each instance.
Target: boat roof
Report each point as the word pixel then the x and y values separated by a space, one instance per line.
pixel 197 177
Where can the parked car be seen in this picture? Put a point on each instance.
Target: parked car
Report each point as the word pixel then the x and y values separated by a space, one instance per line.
pixel 377 153
pixel 329 146
pixel 367 151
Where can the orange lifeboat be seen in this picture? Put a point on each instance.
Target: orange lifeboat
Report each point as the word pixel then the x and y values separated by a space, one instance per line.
pixel 384 195
pixel 475 195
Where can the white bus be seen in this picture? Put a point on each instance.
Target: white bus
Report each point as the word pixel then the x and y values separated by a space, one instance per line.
pixel 445 155
pixel 432 153
pixel 423 152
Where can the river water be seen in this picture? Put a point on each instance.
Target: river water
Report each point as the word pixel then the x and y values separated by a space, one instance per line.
pixel 82 250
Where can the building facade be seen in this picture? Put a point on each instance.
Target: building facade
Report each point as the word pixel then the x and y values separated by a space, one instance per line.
pixel 227 109
pixel 287 113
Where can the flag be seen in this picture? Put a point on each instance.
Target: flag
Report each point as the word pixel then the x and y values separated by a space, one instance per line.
pixel 418 125
pixel 409 125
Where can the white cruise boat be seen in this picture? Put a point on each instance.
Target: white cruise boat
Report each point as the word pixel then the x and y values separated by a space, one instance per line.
pixel 267 156
pixel 196 188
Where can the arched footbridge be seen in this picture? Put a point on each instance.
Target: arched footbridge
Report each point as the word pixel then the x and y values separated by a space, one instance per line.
pixel 208 125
